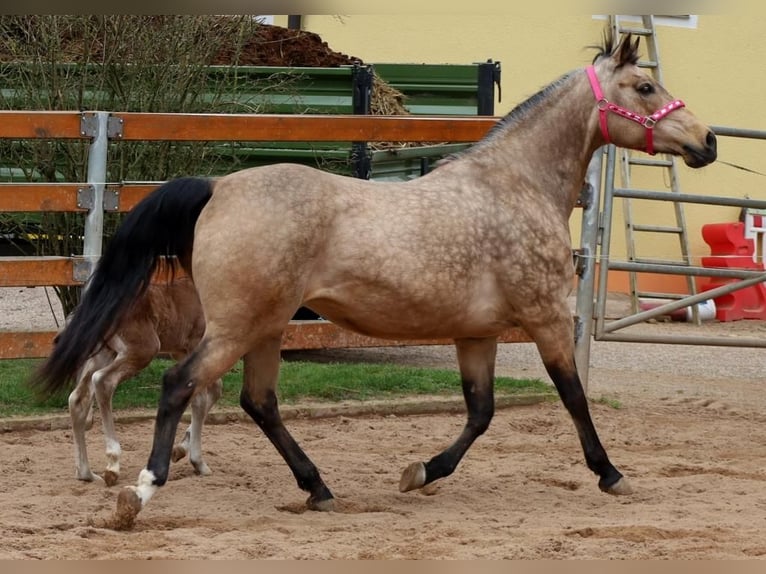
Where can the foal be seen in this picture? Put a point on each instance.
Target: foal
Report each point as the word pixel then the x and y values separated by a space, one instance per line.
pixel 166 319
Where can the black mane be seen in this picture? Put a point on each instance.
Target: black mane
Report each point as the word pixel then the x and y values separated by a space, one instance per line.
pixel 610 44
pixel 627 53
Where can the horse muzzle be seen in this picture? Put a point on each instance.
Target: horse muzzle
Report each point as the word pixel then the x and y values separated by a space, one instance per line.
pixel 701 156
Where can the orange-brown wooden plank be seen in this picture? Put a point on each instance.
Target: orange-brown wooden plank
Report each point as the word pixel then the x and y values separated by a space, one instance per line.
pixel 299 335
pixel 39 197
pixel 29 271
pixel 291 127
pixel 26 124
pixel 31 345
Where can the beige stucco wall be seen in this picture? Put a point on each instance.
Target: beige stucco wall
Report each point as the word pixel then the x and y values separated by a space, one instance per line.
pixel 717 67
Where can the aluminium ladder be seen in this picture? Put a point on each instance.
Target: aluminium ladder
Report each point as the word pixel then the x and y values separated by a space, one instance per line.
pixel 666 165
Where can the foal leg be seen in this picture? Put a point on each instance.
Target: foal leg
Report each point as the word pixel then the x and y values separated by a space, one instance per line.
pixel 208 362
pixel 476 358
pixel 105 381
pixel 259 400
pixel 555 343
pixel 201 404
pixel 80 409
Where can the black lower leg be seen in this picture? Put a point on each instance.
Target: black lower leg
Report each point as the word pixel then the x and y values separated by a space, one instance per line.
pixel 177 391
pixel 480 404
pixel 572 395
pixel 266 416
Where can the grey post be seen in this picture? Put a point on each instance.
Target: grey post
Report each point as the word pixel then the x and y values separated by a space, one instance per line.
pixel 584 306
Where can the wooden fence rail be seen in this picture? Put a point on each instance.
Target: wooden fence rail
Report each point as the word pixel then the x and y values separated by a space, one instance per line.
pixel 67 197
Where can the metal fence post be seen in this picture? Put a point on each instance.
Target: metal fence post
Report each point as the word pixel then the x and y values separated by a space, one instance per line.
pixel 96 179
pixel 590 200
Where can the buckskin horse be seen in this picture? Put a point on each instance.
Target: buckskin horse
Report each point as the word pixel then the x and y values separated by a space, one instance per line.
pixel 477 245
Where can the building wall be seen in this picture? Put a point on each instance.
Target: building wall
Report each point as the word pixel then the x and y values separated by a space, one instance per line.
pixel 715 66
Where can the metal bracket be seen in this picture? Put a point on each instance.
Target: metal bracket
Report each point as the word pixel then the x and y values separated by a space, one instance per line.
pixel 579 258
pixel 86 197
pixel 89 126
pixel 82 268
pixel 111 199
pixel 579 328
pixel 114 127
pixel 585 197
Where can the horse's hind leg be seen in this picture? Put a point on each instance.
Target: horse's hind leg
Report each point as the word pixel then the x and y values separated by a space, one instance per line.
pixel 555 343
pixel 476 358
pixel 259 400
pixel 191 443
pixel 80 409
pixel 208 362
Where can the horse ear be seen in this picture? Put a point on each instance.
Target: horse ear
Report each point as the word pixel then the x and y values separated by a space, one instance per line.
pixel 627 51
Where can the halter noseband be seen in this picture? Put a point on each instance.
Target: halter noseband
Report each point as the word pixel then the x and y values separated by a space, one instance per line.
pixel 648 122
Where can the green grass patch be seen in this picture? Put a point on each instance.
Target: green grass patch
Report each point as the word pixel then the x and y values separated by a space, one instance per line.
pixel 608 401
pixel 299 381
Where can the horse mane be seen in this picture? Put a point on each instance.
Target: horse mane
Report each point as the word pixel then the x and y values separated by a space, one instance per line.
pixel 628 54
pixel 610 44
pixel 511 118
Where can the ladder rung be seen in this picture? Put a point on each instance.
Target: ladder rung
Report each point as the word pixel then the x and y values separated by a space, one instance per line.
pixel 650 162
pixel 657 229
pixel 657 295
pixel 659 262
pixel 647 64
pixel 637 31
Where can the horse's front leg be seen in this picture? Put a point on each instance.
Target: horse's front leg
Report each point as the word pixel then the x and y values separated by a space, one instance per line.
pixel 555 343
pixel 476 358
pixel 206 364
pixel 259 400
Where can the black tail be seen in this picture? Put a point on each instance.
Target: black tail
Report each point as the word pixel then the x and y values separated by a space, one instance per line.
pixel 162 224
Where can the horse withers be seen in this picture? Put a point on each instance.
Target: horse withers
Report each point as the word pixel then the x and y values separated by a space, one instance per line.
pixel 166 319
pixel 475 246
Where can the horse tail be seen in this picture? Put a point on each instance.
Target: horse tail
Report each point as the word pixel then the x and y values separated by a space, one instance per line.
pixel 162 224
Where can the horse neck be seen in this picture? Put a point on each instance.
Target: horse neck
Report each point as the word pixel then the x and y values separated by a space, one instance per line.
pixel 548 145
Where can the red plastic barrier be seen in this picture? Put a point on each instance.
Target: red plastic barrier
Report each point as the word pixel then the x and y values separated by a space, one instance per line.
pixel 730 249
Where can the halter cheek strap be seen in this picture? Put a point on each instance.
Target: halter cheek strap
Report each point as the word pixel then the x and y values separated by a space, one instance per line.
pixel 605 106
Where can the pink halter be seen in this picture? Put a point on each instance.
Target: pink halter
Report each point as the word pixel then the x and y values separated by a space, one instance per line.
pixel 648 122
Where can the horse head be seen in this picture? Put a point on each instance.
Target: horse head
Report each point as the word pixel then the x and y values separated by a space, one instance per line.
pixel 635 111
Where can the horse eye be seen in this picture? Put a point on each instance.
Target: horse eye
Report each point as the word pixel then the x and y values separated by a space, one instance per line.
pixel 645 89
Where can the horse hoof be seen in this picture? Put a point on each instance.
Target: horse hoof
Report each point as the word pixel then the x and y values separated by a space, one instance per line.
pixel 178 453
pixel 326 505
pixel 111 477
pixel 201 469
pixel 128 507
pixel 88 477
pixel 414 476
pixel 620 488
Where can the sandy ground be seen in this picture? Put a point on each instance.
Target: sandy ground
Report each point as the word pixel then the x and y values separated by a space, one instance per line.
pixel 689 433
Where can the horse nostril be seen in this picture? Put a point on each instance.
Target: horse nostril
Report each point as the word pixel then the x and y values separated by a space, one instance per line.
pixel 711 141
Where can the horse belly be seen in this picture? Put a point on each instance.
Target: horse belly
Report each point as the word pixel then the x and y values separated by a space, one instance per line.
pixel 391 316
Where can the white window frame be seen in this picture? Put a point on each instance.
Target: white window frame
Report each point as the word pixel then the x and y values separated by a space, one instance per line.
pixel 676 21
